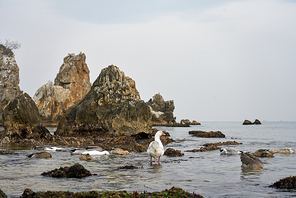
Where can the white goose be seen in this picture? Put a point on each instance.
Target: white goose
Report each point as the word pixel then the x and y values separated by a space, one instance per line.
pixel 155 148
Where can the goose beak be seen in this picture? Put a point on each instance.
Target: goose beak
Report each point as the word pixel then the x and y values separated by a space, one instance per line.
pixel 162 133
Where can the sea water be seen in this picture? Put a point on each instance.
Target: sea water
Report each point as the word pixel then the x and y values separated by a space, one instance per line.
pixel 207 173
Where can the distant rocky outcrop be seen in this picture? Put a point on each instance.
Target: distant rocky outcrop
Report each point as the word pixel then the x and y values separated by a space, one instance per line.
pixel 112 105
pixel 248 122
pixel 187 121
pixel 9 78
pixel 162 111
pixel 21 119
pixel 70 86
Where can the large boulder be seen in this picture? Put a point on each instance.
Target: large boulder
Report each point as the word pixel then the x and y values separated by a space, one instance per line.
pixel 112 105
pixel 162 111
pixel 70 86
pixel 9 78
pixel 21 119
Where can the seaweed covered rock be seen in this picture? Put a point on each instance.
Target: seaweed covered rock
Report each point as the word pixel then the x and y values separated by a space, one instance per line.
pixel 286 183
pixel 9 78
pixel 113 104
pixel 169 193
pixel 173 153
pixel 71 84
pixel 204 134
pixel 75 171
pixel 248 122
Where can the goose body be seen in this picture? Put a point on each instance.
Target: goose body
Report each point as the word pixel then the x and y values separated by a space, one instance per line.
pixel 155 148
pixel 42 154
pixel 251 161
pixel 224 151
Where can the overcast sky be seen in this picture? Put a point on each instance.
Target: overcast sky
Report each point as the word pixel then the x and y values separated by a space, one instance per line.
pixel 218 60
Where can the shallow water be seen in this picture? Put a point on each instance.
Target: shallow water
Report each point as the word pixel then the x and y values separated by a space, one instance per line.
pixel 206 173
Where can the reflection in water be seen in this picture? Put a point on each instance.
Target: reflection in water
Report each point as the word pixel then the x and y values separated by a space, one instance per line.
pixel 247 173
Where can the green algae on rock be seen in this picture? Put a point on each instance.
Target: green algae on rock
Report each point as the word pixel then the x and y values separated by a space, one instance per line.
pixel 75 171
pixel 286 183
pixel 173 192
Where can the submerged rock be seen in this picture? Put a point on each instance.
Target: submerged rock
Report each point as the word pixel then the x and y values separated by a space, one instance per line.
pixel 112 105
pixel 250 161
pixel 39 155
pixel 173 153
pixel 70 86
pixel 75 171
pixel 211 134
pixel 128 167
pixel 286 183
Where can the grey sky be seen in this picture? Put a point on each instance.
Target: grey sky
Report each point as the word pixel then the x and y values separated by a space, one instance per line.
pixel 218 60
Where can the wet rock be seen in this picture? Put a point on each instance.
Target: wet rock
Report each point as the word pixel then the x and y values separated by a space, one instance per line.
pixel 211 134
pixel 206 148
pixel 173 153
pixel 112 105
pixel 139 148
pixel 86 157
pixel 119 151
pixel 40 155
pixel 75 171
pixel 28 193
pixel 286 183
pixel 20 117
pixel 9 78
pixel 250 161
pixel 128 167
pixel 223 143
pixel 71 84
pixel 263 153
pixel 162 111
pixel 7 152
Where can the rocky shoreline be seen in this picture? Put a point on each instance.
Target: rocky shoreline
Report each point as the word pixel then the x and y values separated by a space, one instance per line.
pixel 172 192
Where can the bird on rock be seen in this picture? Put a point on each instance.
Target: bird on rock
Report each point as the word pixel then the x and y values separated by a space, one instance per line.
pixel 155 148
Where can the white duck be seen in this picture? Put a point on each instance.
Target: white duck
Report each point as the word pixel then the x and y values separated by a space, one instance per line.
pixel 155 148
pixel 224 151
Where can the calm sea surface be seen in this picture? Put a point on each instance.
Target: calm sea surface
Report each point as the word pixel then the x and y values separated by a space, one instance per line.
pixel 206 173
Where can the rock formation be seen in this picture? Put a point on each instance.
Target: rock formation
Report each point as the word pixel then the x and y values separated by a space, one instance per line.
pixel 112 105
pixel 162 111
pixel 248 122
pixel 186 121
pixel 21 119
pixel 9 78
pixel 70 86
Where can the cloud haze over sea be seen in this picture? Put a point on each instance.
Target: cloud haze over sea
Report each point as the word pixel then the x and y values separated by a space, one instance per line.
pixel 218 60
